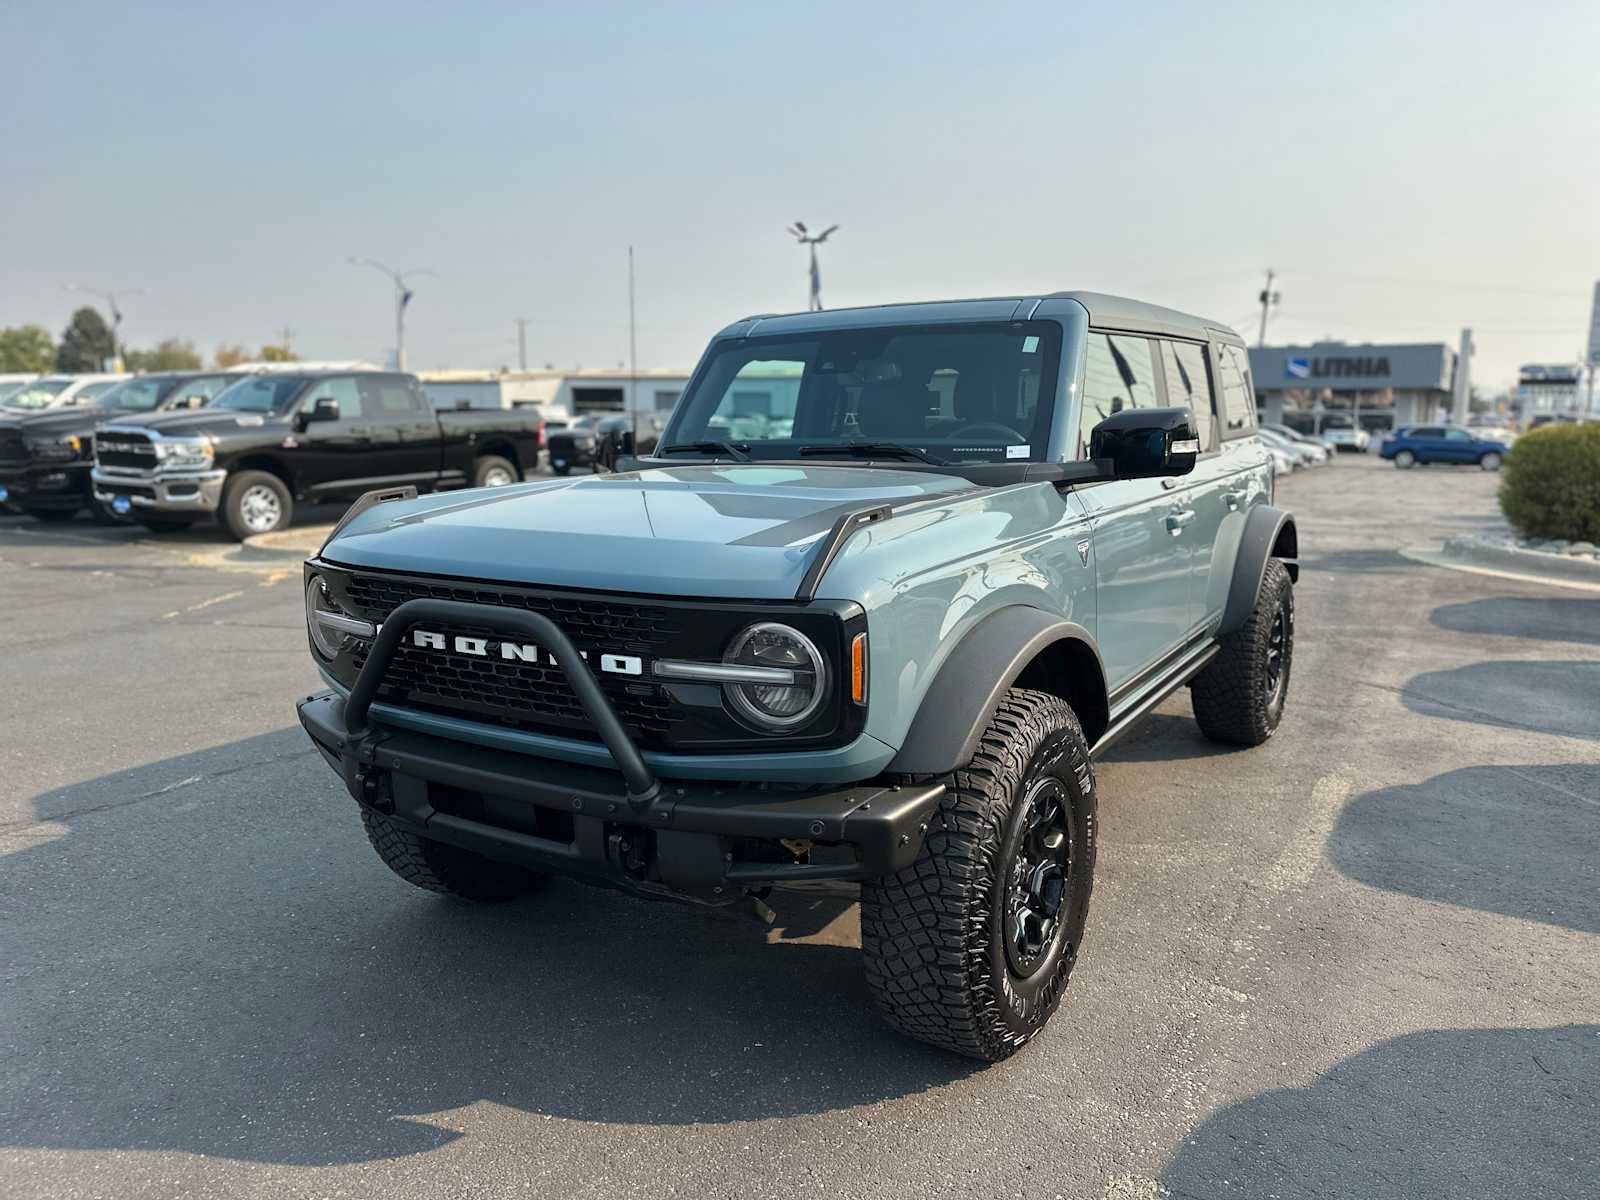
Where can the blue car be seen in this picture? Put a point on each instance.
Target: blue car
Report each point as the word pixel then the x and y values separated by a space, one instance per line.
pixel 1442 444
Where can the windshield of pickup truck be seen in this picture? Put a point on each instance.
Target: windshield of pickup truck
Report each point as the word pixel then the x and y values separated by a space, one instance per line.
pixel 39 393
pixel 261 393
pixel 942 394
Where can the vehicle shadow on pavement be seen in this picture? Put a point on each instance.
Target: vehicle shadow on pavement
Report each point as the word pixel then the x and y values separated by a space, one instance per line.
pixel 1362 561
pixel 274 995
pixel 1436 1115
pixel 1515 840
pixel 1166 737
pixel 1542 618
pixel 1544 697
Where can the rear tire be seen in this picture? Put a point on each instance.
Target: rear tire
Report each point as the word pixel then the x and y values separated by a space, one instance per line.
pixel 971 946
pixel 1404 459
pixel 1490 461
pixel 1239 698
pixel 493 471
pixel 254 502
pixel 448 870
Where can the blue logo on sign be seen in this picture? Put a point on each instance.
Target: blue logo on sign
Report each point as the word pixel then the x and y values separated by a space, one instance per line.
pixel 1297 368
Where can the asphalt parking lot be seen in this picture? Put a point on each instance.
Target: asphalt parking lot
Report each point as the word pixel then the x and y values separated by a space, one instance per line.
pixel 1360 961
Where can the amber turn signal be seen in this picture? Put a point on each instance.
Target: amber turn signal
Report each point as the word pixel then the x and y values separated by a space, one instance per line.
pixel 858 668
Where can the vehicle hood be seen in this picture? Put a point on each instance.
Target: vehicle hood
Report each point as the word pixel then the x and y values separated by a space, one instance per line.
pixel 54 422
pixel 736 531
pixel 195 422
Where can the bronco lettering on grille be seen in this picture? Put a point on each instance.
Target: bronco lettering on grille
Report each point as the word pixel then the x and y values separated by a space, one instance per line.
pixel 477 647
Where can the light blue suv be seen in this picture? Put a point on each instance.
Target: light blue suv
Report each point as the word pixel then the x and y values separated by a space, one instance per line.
pixel 891 581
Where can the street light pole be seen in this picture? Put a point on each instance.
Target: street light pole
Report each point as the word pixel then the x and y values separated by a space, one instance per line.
pixel 812 241
pixel 116 313
pixel 402 297
pixel 1268 299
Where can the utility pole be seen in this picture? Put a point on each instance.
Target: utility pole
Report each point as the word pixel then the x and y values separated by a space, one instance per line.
pixel 402 297
pixel 522 343
pixel 812 241
pixel 116 315
pixel 1269 299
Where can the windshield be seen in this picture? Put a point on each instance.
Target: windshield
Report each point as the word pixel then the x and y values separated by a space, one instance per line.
pixel 139 395
pixel 39 393
pixel 948 393
pixel 260 393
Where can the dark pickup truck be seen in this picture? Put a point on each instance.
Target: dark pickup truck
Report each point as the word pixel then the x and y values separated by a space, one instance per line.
pixel 281 436
pixel 45 456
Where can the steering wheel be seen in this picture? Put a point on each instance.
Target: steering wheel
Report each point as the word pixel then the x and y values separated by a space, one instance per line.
pixel 1007 434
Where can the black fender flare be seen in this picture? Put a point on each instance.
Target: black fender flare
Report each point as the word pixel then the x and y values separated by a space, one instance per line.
pixel 1269 532
pixel 973 680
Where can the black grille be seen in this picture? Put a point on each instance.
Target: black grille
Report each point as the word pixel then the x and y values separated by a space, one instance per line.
pixel 12 449
pixel 522 695
pixel 117 449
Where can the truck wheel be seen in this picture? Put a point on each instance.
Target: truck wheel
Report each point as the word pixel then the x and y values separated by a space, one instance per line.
pixel 971 946
pixel 448 870
pixel 1239 697
pixel 493 471
pixel 1404 459
pixel 255 502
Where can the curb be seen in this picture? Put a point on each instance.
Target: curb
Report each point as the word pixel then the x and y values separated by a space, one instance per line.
pixel 1523 562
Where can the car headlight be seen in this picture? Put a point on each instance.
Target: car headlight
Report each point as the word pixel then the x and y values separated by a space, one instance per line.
pixel 57 449
pixel 329 626
pixel 798 680
pixel 184 452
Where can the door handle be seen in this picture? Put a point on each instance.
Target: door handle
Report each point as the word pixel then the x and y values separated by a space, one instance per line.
pixel 1233 499
pixel 1177 519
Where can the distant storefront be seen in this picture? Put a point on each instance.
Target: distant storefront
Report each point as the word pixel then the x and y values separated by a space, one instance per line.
pixel 1377 387
pixel 1550 392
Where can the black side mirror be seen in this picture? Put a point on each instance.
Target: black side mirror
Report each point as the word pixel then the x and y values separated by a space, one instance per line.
pixel 1145 443
pixel 626 442
pixel 326 408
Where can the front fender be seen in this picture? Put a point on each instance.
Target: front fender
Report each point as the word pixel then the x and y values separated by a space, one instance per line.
pixel 1269 532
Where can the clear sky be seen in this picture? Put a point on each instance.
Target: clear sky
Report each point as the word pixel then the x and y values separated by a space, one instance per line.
pixel 1408 167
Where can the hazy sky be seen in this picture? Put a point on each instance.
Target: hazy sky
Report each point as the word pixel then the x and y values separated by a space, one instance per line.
pixel 1408 168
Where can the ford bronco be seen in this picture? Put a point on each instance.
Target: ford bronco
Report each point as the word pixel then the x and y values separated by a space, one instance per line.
pixel 891 581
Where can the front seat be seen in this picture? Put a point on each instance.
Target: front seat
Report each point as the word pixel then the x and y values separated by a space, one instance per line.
pixel 892 410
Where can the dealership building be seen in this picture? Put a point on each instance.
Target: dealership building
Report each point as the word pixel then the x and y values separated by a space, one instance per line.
pixel 1378 387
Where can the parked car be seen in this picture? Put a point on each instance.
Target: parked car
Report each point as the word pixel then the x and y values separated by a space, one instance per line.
pixel 275 438
pixel 1302 439
pixel 12 383
pixel 1303 453
pixel 573 445
pixel 1442 444
pixel 1346 437
pixel 61 391
pixel 619 436
pixel 46 455
pixel 1283 463
pixel 879 650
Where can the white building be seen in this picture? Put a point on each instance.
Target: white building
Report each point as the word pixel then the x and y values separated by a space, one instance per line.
pixel 570 392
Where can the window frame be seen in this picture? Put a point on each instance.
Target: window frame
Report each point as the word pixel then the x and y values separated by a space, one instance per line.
pixel 1206 365
pixel 1224 434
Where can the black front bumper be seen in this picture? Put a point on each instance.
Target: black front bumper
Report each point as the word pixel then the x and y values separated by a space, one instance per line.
pixel 708 840
pixel 63 485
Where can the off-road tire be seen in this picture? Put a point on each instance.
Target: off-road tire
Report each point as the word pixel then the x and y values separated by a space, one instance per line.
pixel 492 466
pixel 933 936
pixel 1232 699
pixel 165 524
pixel 239 487
pixel 448 870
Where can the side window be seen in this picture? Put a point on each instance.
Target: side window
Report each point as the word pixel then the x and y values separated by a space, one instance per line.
pixel 343 390
pixel 1118 373
pixel 1189 384
pixel 1238 407
pixel 388 397
pixel 1457 435
pixel 1427 431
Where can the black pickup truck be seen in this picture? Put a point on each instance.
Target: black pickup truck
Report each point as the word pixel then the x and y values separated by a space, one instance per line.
pixel 45 456
pixel 281 436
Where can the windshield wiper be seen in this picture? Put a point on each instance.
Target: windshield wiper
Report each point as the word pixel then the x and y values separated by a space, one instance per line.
pixel 738 451
pixel 870 450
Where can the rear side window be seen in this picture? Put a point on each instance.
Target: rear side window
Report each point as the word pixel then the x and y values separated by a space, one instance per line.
pixel 1238 406
pixel 1189 385
pixel 388 396
pixel 1118 373
pixel 1427 431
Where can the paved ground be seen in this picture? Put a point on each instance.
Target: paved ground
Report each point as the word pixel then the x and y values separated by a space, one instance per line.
pixel 1361 961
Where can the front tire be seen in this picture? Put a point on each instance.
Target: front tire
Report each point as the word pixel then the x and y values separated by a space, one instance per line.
pixel 1490 461
pixel 1239 698
pixel 448 870
pixel 255 502
pixel 1405 460
pixel 970 947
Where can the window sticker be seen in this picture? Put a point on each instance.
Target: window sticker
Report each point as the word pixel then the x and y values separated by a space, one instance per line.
pixel 1018 451
pixel 1030 344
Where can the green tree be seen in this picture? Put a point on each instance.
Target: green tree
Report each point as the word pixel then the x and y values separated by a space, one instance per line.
pixel 86 345
pixel 270 353
pixel 170 354
pixel 27 348
pixel 231 356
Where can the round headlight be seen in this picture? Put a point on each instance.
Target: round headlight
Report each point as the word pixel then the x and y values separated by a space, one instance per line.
pixel 327 640
pixel 799 679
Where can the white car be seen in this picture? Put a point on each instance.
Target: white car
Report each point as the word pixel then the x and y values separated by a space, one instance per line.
pixel 62 391
pixel 1282 461
pixel 1344 437
pixel 1306 453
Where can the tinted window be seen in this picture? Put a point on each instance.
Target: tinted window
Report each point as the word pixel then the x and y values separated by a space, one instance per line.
pixel 1426 431
pixel 1238 407
pixel 387 396
pixel 1188 384
pixel 1118 373
pixel 260 393
pixel 140 395
pixel 1458 435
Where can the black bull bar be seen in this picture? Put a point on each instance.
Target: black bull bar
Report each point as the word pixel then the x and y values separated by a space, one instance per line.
pixel 693 824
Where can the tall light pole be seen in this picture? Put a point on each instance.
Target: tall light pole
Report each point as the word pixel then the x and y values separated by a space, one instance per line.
pixel 116 312
pixel 1269 299
pixel 812 241
pixel 402 297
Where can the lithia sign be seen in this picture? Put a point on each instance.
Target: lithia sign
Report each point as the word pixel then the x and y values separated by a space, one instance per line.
pixel 1337 367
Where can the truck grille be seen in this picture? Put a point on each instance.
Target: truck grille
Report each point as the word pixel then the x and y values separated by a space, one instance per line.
pixel 522 695
pixel 114 448
pixel 12 449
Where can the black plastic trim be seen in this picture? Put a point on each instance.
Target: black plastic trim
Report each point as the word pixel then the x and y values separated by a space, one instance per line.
pixel 1261 531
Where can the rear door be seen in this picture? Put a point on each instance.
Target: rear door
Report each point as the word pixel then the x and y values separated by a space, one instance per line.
pixel 1427 443
pixel 1459 446
pixel 1201 498
pixel 405 431
pixel 1141 568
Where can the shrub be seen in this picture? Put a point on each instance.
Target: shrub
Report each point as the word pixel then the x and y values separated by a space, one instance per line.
pixel 1551 483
